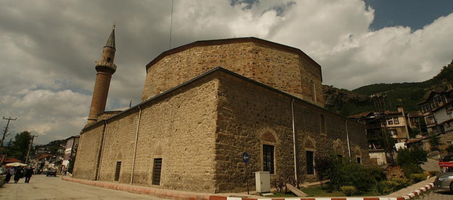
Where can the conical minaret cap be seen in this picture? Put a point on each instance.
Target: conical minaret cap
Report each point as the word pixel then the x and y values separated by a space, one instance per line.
pixel 111 40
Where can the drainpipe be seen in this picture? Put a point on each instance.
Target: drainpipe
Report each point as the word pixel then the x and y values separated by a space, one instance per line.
pixel 101 146
pixel 347 138
pixel 136 141
pixel 294 143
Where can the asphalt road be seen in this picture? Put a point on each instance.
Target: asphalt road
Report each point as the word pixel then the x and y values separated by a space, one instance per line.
pixel 42 187
pixel 435 195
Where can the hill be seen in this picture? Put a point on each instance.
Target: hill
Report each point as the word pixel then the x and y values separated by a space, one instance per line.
pixel 348 103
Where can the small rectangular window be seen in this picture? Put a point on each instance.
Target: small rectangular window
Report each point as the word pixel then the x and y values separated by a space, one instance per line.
pixel 310 163
pixel 118 170
pixel 268 158
pixel 390 121
pixel 395 120
pixel 359 160
pixel 157 169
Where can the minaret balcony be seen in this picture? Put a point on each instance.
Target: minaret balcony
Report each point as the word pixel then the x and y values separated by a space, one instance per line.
pixel 105 64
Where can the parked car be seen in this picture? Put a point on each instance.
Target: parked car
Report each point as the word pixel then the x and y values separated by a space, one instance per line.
pixel 51 172
pixel 444 181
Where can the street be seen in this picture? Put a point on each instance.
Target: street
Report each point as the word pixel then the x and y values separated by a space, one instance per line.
pixel 42 187
pixel 436 195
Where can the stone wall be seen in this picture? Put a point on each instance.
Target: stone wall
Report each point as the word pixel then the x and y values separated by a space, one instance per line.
pixel 201 129
pixel 251 115
pixel 178 127
pixel 88 152
pixel 281 67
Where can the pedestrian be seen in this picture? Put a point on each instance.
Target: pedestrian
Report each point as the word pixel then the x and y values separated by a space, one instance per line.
pixel 18 175
pixel 28 174
pixel 9 174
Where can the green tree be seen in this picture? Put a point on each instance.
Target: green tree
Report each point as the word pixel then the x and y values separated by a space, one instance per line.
pixel 323 163
pixel 413 132
pixel 419 155
pixel 410 160
pixel 412 156
pixel 19 147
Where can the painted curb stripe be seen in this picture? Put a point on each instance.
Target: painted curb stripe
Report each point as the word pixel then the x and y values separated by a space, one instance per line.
pixel 234 198
pixel 214 197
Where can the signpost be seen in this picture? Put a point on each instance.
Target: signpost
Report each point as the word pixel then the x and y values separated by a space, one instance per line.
pixel 246 159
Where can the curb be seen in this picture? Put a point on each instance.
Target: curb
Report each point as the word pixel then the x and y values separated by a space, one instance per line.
pixel 419 191
pixel 408 196
pixel 180 195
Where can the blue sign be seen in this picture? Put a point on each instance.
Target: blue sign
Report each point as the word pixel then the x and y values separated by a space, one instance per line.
pixel 245 157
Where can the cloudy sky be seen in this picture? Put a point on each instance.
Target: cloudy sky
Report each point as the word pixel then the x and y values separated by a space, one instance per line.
pixel 48 47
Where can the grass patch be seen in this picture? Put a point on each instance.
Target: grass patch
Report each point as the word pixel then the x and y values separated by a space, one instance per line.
pixel 318 191
pixel 281 194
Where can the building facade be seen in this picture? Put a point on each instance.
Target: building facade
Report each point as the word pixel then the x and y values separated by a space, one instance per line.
pixel 70 150
pixel 207 103
pixel 394 123
pixel 437 108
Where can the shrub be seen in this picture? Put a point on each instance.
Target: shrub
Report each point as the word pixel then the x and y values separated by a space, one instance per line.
pixel 411 169
pixel 323 163
pixel 358 176
pixel 335 175
pixel 418 177
pixel 402 182
pixel 377 173
pixel 415 156
pixel 434 173
pixel 385 187
pixel 419 155
pixel 404 157
pixel 348 190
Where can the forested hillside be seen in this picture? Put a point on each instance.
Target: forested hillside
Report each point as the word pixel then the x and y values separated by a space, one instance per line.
pixel 405 94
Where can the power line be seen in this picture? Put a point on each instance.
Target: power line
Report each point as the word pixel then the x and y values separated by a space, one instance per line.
pixel 10 113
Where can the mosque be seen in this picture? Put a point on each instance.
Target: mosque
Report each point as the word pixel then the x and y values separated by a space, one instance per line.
pixel 206 104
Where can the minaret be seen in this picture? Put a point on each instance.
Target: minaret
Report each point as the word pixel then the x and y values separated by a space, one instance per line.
pixel 105 69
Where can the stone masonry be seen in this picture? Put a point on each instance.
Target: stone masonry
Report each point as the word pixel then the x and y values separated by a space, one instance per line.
pixel 199 119
pixel 281 67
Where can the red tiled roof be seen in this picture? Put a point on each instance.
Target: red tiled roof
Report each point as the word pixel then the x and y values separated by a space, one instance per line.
pixel 364 114
pixel 44 155
pixel 12 160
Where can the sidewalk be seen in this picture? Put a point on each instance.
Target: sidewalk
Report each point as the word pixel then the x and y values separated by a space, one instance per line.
pixel 403 194
pixel 414 189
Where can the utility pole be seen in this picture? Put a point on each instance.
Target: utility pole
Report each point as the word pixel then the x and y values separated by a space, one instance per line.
pixel 29 148
pixel 6 129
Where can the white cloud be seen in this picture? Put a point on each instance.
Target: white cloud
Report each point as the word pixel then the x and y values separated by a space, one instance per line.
pixel 49 48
